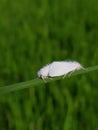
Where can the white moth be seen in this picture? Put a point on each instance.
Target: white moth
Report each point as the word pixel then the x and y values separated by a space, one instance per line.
pixel 59 68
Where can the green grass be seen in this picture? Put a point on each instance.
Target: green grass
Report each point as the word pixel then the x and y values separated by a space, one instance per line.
pixel 32 34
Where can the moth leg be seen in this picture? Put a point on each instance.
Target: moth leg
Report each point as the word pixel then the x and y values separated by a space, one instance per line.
pixel 64 76
pixel 43 78
pixel 69 74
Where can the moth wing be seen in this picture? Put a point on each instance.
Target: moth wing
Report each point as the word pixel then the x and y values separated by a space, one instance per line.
pixel 57 69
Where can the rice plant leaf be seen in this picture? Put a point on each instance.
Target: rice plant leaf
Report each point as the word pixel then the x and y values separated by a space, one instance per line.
pixel 37 81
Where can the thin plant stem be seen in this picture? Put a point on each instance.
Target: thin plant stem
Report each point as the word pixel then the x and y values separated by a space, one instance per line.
pixel 37 81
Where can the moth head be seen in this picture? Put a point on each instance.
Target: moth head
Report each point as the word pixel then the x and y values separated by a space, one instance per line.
pixel 43 73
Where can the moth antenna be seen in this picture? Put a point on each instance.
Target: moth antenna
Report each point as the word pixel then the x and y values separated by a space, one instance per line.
pixel 64 76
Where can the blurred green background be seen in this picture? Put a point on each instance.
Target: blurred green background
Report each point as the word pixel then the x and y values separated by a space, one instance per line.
pixel 34 33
